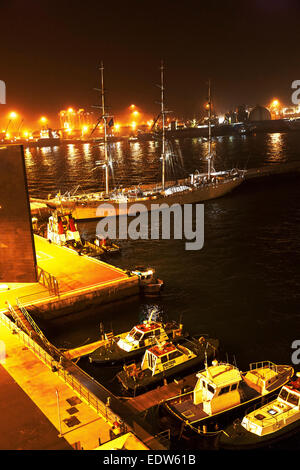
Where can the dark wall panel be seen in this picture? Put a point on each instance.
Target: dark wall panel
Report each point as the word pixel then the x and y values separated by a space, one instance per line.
pixel 17 252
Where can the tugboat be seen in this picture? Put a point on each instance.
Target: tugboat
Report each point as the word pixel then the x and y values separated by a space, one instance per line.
pixel 166 360
pixel 62 230
pixel 222 390
pixel 132 344
pixel 149 284
pixel 273 421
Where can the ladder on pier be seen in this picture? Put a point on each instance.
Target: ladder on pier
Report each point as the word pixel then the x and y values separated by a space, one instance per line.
pixel 25 321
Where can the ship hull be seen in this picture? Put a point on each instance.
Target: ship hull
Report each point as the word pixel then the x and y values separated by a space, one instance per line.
pixel 96 209
pixel 236 437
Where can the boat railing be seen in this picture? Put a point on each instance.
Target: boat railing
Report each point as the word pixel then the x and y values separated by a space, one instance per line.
pixel 263 365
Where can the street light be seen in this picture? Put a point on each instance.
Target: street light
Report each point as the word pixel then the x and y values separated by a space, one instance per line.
pixel 12 116
pixel 58 412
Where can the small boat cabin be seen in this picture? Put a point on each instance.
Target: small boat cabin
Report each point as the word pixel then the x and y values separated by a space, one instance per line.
pixel 165 356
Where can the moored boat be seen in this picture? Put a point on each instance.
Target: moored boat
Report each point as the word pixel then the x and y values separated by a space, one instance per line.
pixel 132 344
pixel 62 230
pixel 222 392
pixel 149 284
pixel 270 423
pixel 198 187
pixel 107 245
pixel 166 360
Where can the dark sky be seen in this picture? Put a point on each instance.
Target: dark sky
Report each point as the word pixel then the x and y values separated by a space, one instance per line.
pixel 50 52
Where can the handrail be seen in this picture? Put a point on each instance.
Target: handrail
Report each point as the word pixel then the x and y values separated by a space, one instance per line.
pixel 48 280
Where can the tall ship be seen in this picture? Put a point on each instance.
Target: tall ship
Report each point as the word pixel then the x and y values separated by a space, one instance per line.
pixel 198 187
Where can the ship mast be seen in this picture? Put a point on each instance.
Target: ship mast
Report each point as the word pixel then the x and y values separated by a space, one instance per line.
pixel 162 111
pixel 210 155
pixel 104 117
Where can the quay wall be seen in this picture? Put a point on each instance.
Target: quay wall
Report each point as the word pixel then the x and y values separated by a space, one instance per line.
pixel 82 299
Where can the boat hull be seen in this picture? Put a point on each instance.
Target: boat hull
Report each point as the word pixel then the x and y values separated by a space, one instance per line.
pixel 236 437
pixel 207 425
pixel 95 209
pixel 148 380
pixel 114 355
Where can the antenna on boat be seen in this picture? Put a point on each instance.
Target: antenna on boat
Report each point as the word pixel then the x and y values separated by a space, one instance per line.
pixel 234 361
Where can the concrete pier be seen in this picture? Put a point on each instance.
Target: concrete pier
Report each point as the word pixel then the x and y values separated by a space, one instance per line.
pixel 81 281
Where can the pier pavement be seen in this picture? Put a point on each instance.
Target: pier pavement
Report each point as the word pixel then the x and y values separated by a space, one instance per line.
pixel 82 280
pixel 35 422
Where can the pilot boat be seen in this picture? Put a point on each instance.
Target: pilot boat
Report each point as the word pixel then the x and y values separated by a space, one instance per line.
pixel 222 391
pixel 275 420
pixel 149 284
pixel 165 360
pixel 132 344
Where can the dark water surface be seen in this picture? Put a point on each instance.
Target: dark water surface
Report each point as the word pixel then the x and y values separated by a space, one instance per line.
pixel 242 287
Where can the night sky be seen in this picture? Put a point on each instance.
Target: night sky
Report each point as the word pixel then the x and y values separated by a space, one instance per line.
pixel 50 52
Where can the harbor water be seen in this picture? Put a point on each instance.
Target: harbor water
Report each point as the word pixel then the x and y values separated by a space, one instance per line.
pixel 242 287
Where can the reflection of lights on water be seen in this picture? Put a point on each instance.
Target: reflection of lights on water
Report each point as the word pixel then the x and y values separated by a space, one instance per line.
pixel 275 144
pixel 276 139
pixel 45 150
pixel 71 150
pixel 28 157
pixel 86 149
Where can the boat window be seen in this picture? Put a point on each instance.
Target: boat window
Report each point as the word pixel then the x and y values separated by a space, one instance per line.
pixel 234 386
pixel 131 333
pixel 157 332
pixel 174 354
pixel 259 416
pixel 137 335
pixel 148 334
pixel 164 359
pixel 283 394
pixel 293 399
pixel 151 361
pixel 210 388
pixel 224 390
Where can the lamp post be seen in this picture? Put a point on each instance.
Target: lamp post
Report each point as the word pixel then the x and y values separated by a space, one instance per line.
pixel 58 412
pixel 12 116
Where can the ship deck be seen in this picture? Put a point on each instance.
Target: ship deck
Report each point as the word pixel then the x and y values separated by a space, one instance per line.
pixel 154 397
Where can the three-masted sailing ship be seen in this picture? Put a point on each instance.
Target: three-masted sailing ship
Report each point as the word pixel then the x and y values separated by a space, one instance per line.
pixel 197 188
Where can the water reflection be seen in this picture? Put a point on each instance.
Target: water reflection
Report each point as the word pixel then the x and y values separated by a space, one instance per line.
pixel 275 148
pixel 65 166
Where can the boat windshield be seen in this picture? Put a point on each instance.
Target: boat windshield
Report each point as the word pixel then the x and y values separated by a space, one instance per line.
pixel 291 398
pixel 136 335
